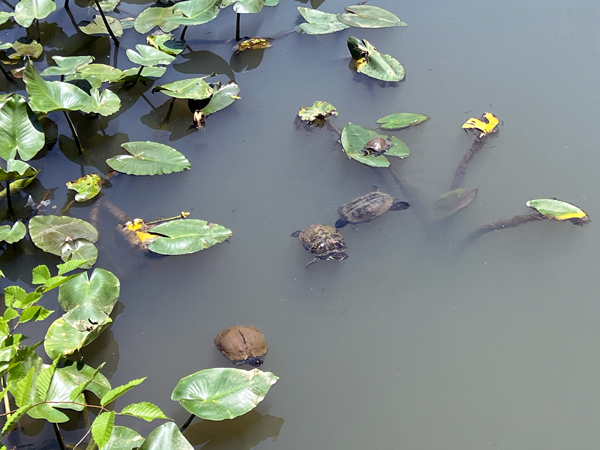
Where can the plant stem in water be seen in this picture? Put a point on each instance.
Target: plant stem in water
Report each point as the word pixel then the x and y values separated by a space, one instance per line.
pixel 459 175
pixel 502 224
pixel 168 116
pixel 237 28
pixel 109 29
pixel 59 438
pixel 139 74
pixel 39 33
pixel 8 199
pixel 74 132
pixel 182 37
pixel 187 423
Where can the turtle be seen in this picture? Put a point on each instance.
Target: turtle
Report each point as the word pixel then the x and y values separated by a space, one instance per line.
pixel 243 344
pixel 323 242
pixel 377 146
pixel 367 207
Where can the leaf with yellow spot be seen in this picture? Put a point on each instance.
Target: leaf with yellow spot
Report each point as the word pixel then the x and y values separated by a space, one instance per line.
pixel 317 114
pixel 254 43
pixel 367 60
pixel 487 125
pixel 87 187
pixel 555 209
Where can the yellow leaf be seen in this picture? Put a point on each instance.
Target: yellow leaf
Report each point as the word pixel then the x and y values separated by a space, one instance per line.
pixel 253 44
pixel 143 236
pixel 487 125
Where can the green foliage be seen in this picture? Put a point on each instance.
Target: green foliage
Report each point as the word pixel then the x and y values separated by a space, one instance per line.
pixel 115 393
pixel 12 234
pixel 166 43
pixel 317 114
pixel 124 438
pixel 222 97
pixel 195 12
pixel 354 137
pixel 145 411
pixel 185 236
pixel 158 15
pixel 28 10
pixel 194 88
pixel 401 120
pixel 87 187
pixel 67 65
pixel 555 209
pixel 319 22
pixel 149 158
pixel 366 16
pixel 248 6
pixel 149 56
pixel 373 63
pixel 97 27
pixel 26 47
pixel 102 428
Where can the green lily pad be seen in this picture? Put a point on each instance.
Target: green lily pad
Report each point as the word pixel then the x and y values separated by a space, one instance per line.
pixel 187 236
pixel 401 120
pixel 166 43
pixel 194 88
pixel 195 12
pixel 317 114
pixel 5 16
pixel 555 209
pixel 97 28
pixel 218 394
pixel 149 56
pixel 62 339
pixel 148 73
pixel 13 234
pixel 222 97
pixel 452 202
pixel 368 61
pixel 319 22
pixel 354 137
pixel 148 158
pixel 20 130
pixel 16 169
pixel 96 74
pixel 248 6
pixel 157 16
pixel 67 65
pixel 365 16
pixel 166 436
pixel 106 5
pixel 87 187
pixel 28 10
pixel 123 438
pixel 18 185
pixel 26 47
pixel 104 103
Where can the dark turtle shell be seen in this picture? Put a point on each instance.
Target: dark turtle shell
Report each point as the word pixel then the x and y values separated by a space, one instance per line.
pixel 367 207
pixel 322 241
pixel 377 146
pixel 242 345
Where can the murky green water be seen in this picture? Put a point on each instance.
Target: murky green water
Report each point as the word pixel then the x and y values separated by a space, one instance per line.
pixel 412 342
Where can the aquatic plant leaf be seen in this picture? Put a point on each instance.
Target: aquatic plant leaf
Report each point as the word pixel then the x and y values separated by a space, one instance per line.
pixel 13 234
pixel 80 250
pixel 248 6
pixel 71 374
pixel 102 428
pixel 372 63
pixel 452 202
pixel 156 16
pixel 223 96
pixel 89 301
pixel 166 436
pixel 487 125
pixel 149 56
pixel 57 234
pixel 148 73
pixel 96 74
pixel 195 12
pixel 26 47
pixel 28 10
pixel 319 22
pixel 401 120
pixel 5 16
pixel 104 103
pixel 20 130
pixel 46 96
pixel 365 16
pixel 271 2
pixel 124 438
pixel 318 113
pixel 87 187
pixel 18 185
pixel 556 209
pixel 62 339
pixel 194 88
pixel 106 5
pixel 223 393
pixel 66 65
pixel 255 43
pixel 16 169
pixel 185 236
pixel 148 158
pixel 354 137
pixel 145 411
pixel 97 27
pixel 166 43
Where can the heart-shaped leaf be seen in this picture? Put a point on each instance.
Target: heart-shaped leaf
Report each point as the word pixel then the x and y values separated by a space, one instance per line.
pixel 158 15
pixel 195 12
pixel 354 137
pixel 62 339
pixel 194 88
pixel 369 61
pixel 149 56
pixel 167 436
pixel 187 236
pixel 67 65
pixel 149 158
pixel 96 26
pixel 248 6
pixel 401 120
pixel 20 130
pixel 555 209
pixel 222 97
pixel 366 16
pixel 317 114
pixel 319 22
pixel 28 10
pixel 13 234
pixel 166 43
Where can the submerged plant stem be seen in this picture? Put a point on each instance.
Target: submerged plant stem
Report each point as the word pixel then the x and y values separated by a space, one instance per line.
pixel 37 29
pixel 237 27
pixel 168 116
pixel 187 423
pixel 459 175
pixel 59 438
pixel 182 37
pixel 108 28
pixel 74 132
pixel 139 75
pixel 8 199
pixel 502 224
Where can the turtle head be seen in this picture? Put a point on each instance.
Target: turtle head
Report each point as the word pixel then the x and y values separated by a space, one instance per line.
pixel 256 361
pixel 338 256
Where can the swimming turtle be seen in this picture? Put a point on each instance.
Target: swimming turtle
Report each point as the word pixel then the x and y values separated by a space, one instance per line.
pixel 377 146
pixel 367 207
pixel 323 242
pixel 242 345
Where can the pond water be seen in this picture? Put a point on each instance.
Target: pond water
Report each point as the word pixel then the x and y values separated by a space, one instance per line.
pixel 414 341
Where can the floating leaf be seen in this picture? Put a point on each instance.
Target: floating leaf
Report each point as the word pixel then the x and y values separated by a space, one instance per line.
pixel 97 27
pixel 104 103
pixel 13 234
pixel 67 65
pixel 20 130
pixel 555 209
pixel 195 12
pixel 146 74
pixel 167 436
pixel 194 88
pixel 452 202
pixel 166 43
pixel 401 120
pixel 354 137
pixel 96 74
pixel 318 22
pixel 87 187
pixel 148 158
pixel 255 43
pixel 372 63
pixel 62 339
pixel 26 47
pixel 218 394
pixel 16 169
pixel 149 56
pixel 248 6
pixel 124 438
pixel 187 236
pixel 5 17
pixel 222 97
pixel 28 10
pixel 318 113
pixel 365 16
pixel 156 16
pixel 487 125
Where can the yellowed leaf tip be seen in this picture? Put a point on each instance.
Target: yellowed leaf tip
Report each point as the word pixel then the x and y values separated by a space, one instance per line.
pixel 487 125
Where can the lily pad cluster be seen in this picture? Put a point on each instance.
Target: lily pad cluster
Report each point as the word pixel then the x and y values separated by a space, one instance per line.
pixel 358 16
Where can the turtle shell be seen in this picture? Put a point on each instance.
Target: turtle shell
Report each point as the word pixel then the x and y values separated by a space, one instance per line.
pixel 366 207
pixel 242 345
pixel 377 146
pixel 323 241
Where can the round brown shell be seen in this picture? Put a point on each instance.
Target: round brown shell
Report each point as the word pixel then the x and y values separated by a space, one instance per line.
pixel 366 207
pixel 242 344
pixel 322 240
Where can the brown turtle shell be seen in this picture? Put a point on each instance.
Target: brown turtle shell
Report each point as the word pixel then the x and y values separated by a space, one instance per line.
pixel 242 345
pixel 377 146
pixel 323 241
pixel 366 207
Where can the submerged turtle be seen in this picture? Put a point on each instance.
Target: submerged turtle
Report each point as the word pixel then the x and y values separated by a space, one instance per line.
pixel 377 146
pixel 242 345
pixel 323 242
pixel 367 207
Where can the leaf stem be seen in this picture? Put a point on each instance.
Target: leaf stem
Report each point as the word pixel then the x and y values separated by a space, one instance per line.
pixel 74 132
pixel 37 29
pixel 502 224
pixel 110 31
pixel 139 74
pixel 237 27
pixel 8 199
pixel 168 116
pixel 59 438
pixel 182 37
pixel 187 423
pixel 459 175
